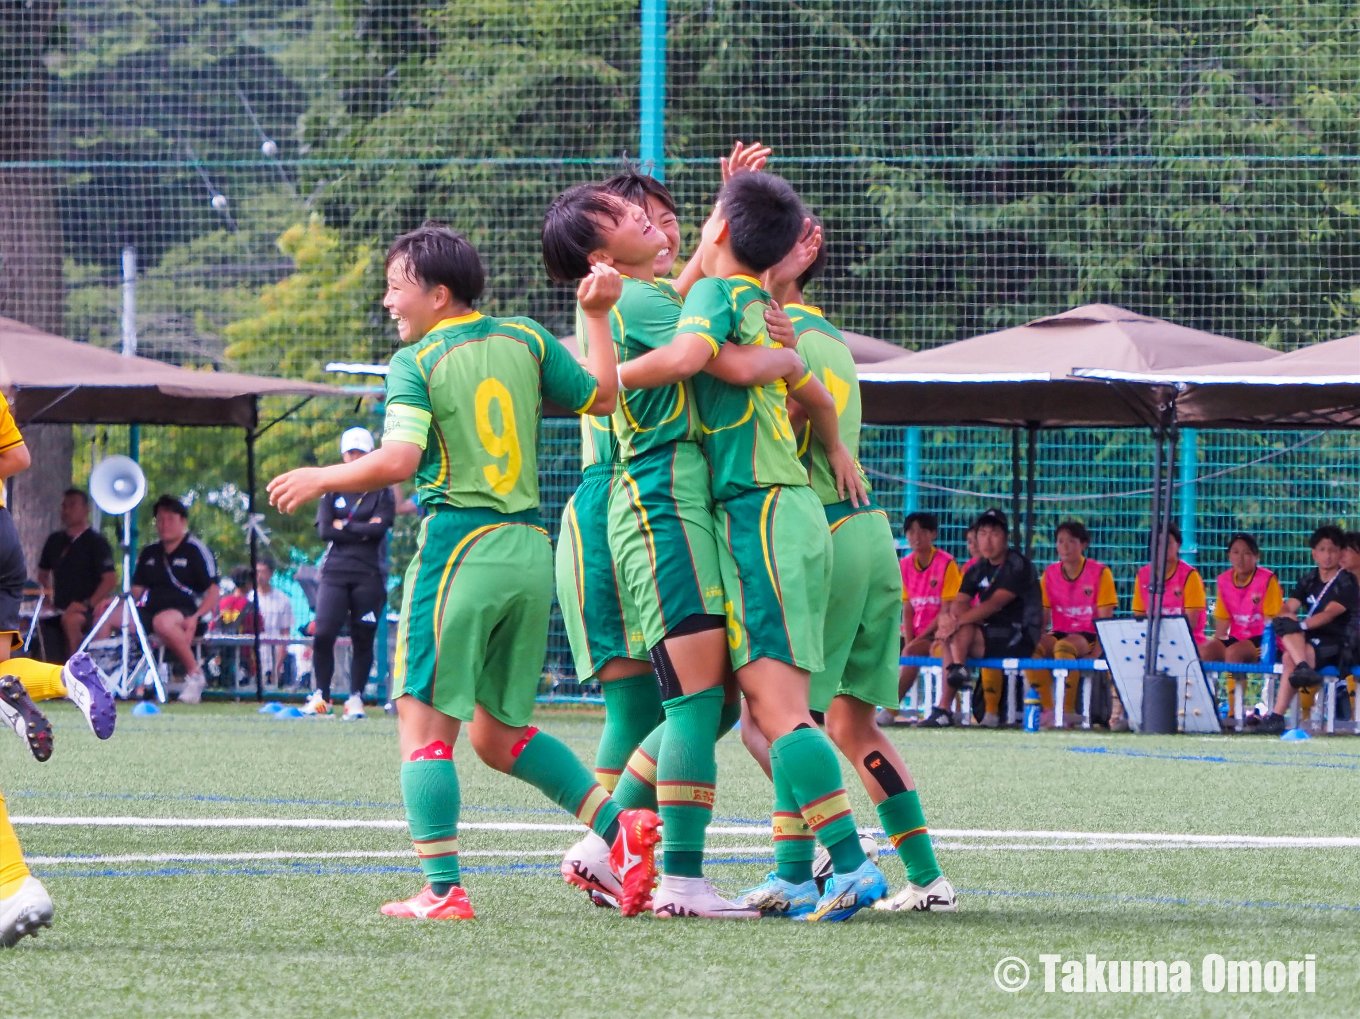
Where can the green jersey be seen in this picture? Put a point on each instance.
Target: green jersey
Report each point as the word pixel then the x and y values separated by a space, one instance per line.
pixel 644 319
pixel 599 445
pixel 745 431
pixel 470 395
pixel 824 352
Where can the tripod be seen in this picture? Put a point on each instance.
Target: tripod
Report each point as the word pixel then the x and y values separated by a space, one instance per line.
pixel 123 680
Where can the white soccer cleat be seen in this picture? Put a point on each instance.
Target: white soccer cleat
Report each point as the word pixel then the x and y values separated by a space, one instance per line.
pixel 86 690
pixel 317 705
pixel 354 708
pixel 586 866
pixel 696 896
pixel 821 862
pixel 193 688
pixel 937 897
pixel 24 912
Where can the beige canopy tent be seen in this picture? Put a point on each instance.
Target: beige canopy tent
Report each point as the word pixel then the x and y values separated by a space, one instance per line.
pixel 51 380
pixel 1313 387
pixel 1020 376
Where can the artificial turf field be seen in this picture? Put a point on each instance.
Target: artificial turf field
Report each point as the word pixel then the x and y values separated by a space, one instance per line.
pixel 143 928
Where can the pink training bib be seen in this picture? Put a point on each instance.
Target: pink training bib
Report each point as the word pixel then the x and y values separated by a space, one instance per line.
pixel 923 588
pixel 1173 596
pixel 1245 618
pixel 1073 602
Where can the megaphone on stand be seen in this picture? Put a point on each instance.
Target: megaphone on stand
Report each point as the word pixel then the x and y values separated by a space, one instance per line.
pixel 117 484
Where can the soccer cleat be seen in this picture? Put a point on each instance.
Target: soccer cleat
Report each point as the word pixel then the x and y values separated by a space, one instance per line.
pixel 821 861
pixel 429 906
pixel 991 720
pixel 608 901
pixel 1272 725
pixel 632 860
pixel 87 691
pixel 958 677
pixel 24 912
pixel 586 865
pixel 192 693
pixel 936 897
pixel 696 896
pixel 316 705
pixel 938 718
pixel 354 708
pixel 777 897
pixel 847 894
pixel 18 711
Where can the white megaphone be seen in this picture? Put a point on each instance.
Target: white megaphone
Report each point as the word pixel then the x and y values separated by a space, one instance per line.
pixel 117 484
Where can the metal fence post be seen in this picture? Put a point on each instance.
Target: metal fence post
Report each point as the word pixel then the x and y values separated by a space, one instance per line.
pixel 1188 494
pixel 911 498
pixel 653 92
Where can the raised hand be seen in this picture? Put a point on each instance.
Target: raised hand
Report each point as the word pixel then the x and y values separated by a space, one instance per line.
pixel 743 158
pixel 803 253
pixel 779 326
pixel 296 488
pixel 599 291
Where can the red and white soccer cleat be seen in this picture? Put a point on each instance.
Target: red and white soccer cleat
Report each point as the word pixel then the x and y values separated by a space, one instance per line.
pixel 428 906
pixel 633 859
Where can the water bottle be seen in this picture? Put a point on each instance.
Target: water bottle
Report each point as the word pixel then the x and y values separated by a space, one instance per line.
pixel 1268 646
pixel 1032 710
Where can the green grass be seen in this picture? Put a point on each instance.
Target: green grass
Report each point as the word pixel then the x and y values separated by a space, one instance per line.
pixel 304 938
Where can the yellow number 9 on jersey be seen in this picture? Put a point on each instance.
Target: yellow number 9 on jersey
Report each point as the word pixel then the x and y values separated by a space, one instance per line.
pixel 504 443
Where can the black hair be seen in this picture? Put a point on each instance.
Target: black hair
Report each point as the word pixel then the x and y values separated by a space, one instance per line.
pixel 1353 540
pixel 928 521
pixel 171 505
pixel 1173 529
pixel 267 560
pixel 242 578
pixel 633 185
pixel 84 496
pixel 992 518
pixel 1327 532
pixel 764 218
pixel 1245 539
pixel 570 232
pixel 818 265
pixel 436 255
pixel 1076 529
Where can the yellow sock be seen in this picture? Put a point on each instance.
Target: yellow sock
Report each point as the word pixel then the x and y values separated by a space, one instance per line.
pixel 991 690
pixel 41 680
pixel 13 870
pixel 1306 698
pixel 1064 651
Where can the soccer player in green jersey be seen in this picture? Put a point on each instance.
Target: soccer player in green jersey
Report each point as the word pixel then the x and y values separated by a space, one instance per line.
pixel 463 407
pixel 861 635
pixel 661 532
pixel 774 541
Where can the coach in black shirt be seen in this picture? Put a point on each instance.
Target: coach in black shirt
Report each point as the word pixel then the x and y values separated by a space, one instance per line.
pixel 1005 622
pixel 175 583
pixel 1314 626
pixel 76 568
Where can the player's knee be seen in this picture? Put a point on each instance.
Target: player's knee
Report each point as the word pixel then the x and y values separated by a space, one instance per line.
pixel 1065 649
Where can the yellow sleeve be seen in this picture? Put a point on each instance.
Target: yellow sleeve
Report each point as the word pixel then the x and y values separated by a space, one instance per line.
pixel 1221 608
pixel 9 431
pixel 1106 595
pixel 1138 607
pixel 952 579
pixel 1194 591
pixel 1273 602
pixel 1043 590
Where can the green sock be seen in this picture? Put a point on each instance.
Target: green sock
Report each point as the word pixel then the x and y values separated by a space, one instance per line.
pixel 632 706
pixel 549 766
pixel 637 784
pixel 794 845
pixel 808 761
pixel 905 824
pixel 430 791
pixel 686 775
pixel 727 721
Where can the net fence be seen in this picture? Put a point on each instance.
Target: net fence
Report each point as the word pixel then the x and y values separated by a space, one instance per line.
pixel 977 164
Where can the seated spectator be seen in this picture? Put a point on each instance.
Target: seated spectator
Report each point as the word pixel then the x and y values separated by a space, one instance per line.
pixel 1350 562
pixel 76 570
pixel 930 580
pixel 1076 592
pixel 1183 594
pixel 1004 622
pixel 175 585
pixel 276 613
pixel 1248 598
pixel 1313 628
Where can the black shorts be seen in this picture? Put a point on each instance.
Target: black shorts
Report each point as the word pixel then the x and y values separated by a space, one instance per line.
pixel 13 575
pixel 148 614
pixel 1090 638
pixel 1230 641
pixel 1006 642
pixel 1326 651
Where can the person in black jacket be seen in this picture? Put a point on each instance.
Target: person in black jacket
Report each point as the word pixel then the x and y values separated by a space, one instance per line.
pixel 353 584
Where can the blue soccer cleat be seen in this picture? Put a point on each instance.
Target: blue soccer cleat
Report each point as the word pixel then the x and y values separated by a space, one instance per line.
pixel 777 897
pixel 847 894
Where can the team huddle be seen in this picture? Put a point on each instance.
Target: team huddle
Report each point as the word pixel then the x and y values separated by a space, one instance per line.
pixel 722 559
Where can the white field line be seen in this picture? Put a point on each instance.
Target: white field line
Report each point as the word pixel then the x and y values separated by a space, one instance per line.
pixel 344 854
pixel 1150 839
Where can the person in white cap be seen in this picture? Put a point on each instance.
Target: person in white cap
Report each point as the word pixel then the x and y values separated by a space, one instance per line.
pixel 353 584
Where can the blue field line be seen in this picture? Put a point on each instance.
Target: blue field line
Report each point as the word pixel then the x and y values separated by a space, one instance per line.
pixel 1211 758
pixel 272 801
pixel 1160 900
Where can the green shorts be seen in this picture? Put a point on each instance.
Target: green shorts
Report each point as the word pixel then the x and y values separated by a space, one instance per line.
pixel 863 613
pixel 474 616
pixel 775 550
pixel 600 619
pixel 661 534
